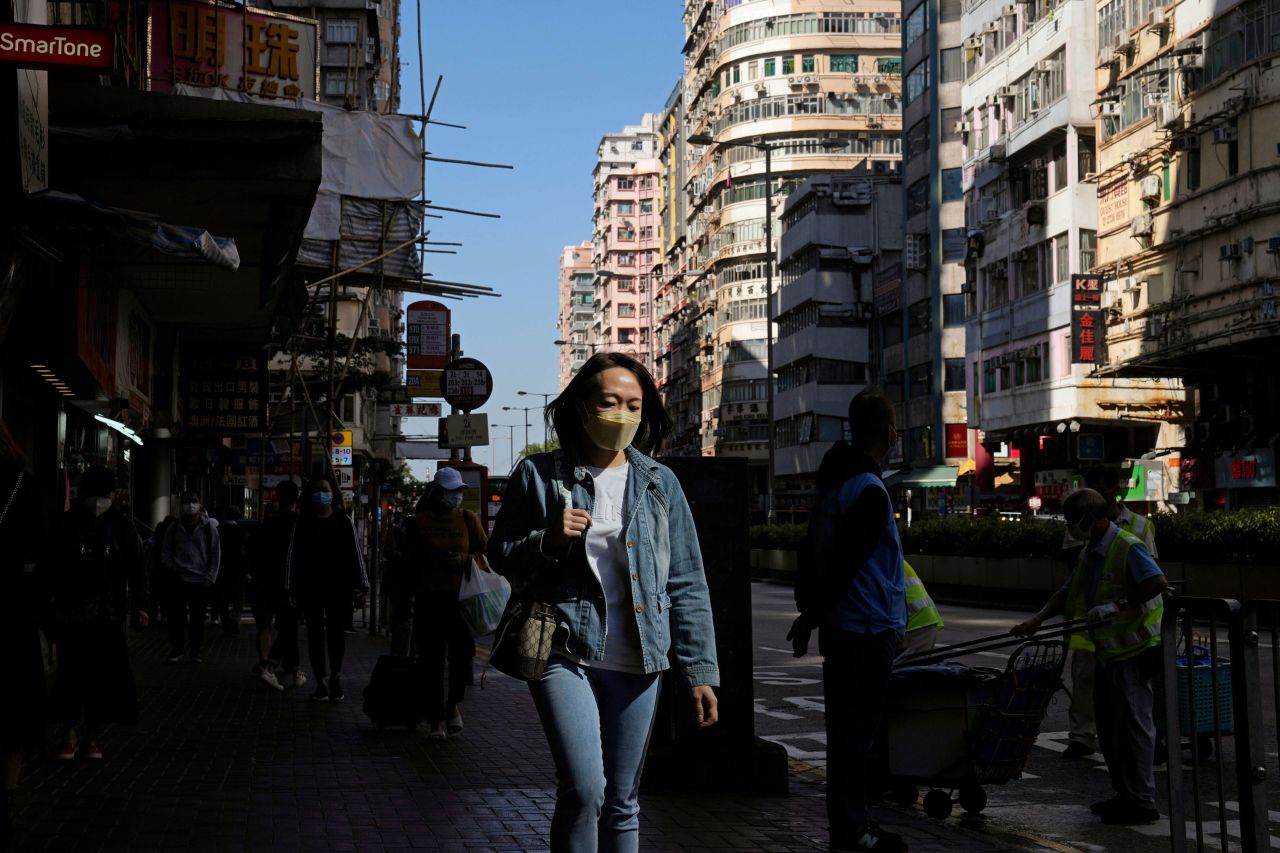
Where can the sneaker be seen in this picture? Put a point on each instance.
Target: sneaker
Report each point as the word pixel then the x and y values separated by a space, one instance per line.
pixel 1106 805
pixel 1076 750
pixel 322 692
pixel 195 658
pixel 454 726
pixel 870 836
pixel 299 678
pixel 1130 814
pixel 92 750
pixel 268 677
pixel 438 732
pixel 174 657
pixel 335 689
pixel 68 751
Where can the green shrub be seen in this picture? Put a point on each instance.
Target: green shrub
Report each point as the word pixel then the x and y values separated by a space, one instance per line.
pixel 782 537
pixel 1220 537
pixel 969 536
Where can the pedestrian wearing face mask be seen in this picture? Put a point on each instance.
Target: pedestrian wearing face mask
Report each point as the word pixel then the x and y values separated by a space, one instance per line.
pixel 93 578
pixel 324 571
pixel 1117 587
pixel 191 555
pixel 444 538
pixel 604 534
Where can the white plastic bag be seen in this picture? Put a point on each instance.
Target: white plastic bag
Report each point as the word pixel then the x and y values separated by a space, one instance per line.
pixel 482 598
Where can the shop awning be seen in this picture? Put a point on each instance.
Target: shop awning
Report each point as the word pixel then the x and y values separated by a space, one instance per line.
pixel 934 477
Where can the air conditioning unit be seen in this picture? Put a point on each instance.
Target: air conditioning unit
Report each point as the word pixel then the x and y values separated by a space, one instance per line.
pixel 1273 245
pixel 1008 92
pixel 793 80
pixel 996 152
pixel 1154 328
pixel 1141 225
pixel 968 287
pixel 878 80
pixel 1152 100
pixel 1046 66
pixel 1225 134
pixel 1186 142
pixel 1156 21
pixel 973 43
pixel 762 88
pixel 1191 61
pixel 1128 284
pixel 1229 252
pixel 961 127
pixel 991 27
pixel 1035 213
pixel 809 79
pixel 1036 165
pixel 1167 115
pixel 990 210
pixel 1009 11
pixel 1149 187
pixel 1109 108
pixel 1121 46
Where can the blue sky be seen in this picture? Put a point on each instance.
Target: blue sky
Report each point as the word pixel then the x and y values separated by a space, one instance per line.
pixel 537 85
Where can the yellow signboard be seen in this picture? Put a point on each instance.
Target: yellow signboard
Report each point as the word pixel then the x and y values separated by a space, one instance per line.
pixel 342 438
pixel 424 383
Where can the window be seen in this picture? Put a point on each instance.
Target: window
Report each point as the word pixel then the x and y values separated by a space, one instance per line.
pixel 335 83
pixel 988 377
pixel 892 328
pixel 788 65
pixel 917 81
pixel 891 65
pixel 1006 377
pixel 646 232
pixel 1191 159
pixel 951 65
pixel 646 206
pixel 1035 364
pixel 844 64
pixel 918 197
pixel 341 31
pixel 1233 151
pixel 915 24
pixel 919 318
pixel 737 74
pixel 753 70
pixel 637 145
pixel 954 380
pixel 955 245
pixel 626 285
pixel 918 139
pixel 627 234
pixel 626 207
pixel 1030 279
pixel 770 67
pixel 1062 256
pixel 952 184
pixel 953 309
pixel 807 65
pixel 1087 149
pixel 1088 250
pixel 626 183
pixel 1059 170
pixel 626 310
pixel 920 380
pixel 893 386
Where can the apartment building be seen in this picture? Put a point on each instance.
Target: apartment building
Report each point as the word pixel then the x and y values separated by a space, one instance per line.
pixel 577 289
pixel 359 52
pixel 625 243
pixel 920 312
pixel 818 83
pixel 840 235
pixel 1189 233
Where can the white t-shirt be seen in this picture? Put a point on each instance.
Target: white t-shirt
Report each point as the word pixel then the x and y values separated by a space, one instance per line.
pixel 607 556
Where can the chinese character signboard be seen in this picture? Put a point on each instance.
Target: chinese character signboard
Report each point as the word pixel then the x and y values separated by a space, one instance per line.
pixel 1246 470
pixel 427 333
pixel 415 410
pixel 957 441
pixel 1113 203
pixel 1088 335
pixel 224 46
pixel 225 393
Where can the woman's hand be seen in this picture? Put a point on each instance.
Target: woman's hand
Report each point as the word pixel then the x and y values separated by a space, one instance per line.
pixel 706 709
pixel 568 525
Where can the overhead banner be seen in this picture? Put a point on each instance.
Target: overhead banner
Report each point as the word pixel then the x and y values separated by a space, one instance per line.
pixel 1088 335
pixel 224 46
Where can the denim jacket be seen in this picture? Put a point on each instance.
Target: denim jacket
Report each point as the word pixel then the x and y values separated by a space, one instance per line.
pixel 668 585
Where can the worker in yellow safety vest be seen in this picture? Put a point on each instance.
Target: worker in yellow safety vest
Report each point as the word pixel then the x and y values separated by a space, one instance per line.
pixel 923 619
pixel 1083 737
pixel 1117 586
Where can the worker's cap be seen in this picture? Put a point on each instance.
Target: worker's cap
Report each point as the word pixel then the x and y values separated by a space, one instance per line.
pixel 449 479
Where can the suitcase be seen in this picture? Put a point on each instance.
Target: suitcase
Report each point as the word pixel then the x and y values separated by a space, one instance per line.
pixel 394 696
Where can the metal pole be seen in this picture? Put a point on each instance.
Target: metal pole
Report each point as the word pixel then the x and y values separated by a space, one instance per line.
pixel 526 429
pixel 768 310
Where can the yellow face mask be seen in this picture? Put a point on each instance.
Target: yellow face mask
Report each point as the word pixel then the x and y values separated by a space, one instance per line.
pixel 612 430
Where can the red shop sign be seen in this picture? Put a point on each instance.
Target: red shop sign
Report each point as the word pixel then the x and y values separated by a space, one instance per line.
pixel 36 46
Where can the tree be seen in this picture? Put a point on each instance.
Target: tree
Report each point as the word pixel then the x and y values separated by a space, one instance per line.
pixel 553 444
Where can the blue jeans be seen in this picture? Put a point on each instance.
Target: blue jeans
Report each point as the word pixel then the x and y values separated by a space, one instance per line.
pixel 598 724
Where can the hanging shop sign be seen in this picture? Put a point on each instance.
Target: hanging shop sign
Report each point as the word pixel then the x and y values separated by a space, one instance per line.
pixel 36 46
pixel 1091 446
pixel 957 436
pixel 225 46
pixel 414 410
pixel 135 336
pixel 1256 470
pixel 1088 337
pixel 427 335
pixel 224 392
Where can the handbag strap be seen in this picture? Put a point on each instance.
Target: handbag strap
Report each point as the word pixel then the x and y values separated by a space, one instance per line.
pixel 16 485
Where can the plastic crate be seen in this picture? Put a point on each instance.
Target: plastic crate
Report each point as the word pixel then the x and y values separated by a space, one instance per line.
pixel 1202 672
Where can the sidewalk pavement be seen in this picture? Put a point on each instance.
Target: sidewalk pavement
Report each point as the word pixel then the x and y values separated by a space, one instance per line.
pixel 220 762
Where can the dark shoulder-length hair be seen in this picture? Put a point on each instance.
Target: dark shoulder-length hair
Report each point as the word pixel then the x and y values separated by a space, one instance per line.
pixel 311 489
pixel 564 413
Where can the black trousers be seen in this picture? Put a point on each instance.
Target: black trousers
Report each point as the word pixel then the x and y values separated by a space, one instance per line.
pixel 277 609
pixel 186 607
pixel 855 686
pixel 326 632
pixel 441 634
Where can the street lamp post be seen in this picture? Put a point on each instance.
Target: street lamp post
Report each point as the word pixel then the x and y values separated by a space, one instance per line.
pixel 546 401
pixel 511 444
pixel 768 149
pixel 526 410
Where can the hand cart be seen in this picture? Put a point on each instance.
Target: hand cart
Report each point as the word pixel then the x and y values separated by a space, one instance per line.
pixel 955 728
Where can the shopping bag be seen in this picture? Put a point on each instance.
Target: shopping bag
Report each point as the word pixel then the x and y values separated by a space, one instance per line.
pixel 483 597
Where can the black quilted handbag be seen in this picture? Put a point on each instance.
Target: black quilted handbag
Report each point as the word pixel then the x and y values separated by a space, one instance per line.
pixel 522 643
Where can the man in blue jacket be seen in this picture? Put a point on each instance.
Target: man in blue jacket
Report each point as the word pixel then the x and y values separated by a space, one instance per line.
pixel 860 612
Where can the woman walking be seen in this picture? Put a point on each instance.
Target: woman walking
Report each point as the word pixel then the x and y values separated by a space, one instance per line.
pixel 93 575
pixel 604 533
pixel 443 540
pixel 325 572
pixel 22 702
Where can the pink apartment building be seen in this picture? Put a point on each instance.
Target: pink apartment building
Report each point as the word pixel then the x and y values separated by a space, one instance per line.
pixel 577 291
